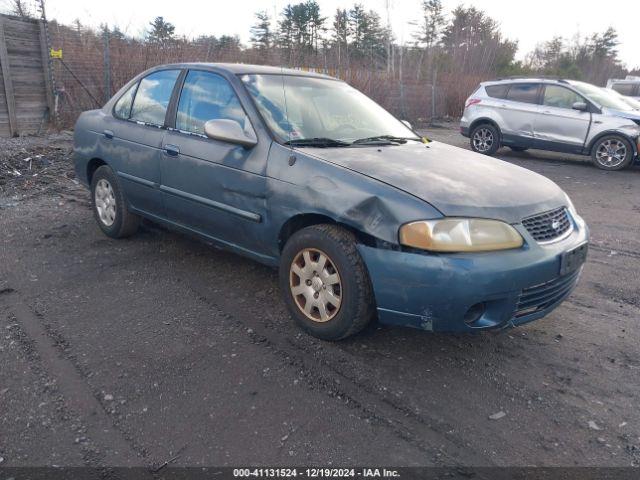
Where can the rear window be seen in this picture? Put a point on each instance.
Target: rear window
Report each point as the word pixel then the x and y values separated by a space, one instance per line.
pixel 497 91
pixel 123 105
pixel 523 92
pixel 623 88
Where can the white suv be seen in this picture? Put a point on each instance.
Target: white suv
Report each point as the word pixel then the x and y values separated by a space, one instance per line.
pixel 630 87
pixel 558 115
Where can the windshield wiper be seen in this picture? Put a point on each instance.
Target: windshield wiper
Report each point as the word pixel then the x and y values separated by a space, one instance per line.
pixel 385 138
pixel 317 142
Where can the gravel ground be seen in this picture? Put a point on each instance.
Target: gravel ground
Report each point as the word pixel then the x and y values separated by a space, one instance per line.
pixel 161 348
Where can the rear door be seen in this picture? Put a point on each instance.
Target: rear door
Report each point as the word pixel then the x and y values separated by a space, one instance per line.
pixel 213 187
pixel 519 110
pixel 133 139
pixel 560 127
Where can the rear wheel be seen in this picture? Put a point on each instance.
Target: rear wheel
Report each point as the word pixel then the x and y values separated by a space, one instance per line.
pixel 612 153
pixel 110 205
pixel 325 282
pixel 485 139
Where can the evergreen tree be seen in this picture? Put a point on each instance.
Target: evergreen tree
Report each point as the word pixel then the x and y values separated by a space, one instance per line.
pixel 161 31
pixel 261 35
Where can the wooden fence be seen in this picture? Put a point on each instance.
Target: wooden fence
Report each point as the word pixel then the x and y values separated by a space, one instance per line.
pixel 26 96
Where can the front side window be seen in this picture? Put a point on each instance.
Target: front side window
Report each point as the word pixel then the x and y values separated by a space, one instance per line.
pixel 301 107
pixel 153 96
pixel 207 96
pixel 560 97
pixel 122 109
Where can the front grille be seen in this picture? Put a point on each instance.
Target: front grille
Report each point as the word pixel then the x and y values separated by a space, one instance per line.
pixel 540 297
pixel 548 226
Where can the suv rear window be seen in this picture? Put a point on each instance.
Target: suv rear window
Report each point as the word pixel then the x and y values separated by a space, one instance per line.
pixel 497 91
pixel 523 92
pixel 623 88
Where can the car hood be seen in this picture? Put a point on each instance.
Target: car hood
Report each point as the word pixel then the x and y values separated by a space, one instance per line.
pixel 455 181
pixel 631 115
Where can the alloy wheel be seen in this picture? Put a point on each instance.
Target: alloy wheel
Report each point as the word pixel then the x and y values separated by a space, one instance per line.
pixel 483 140
pixel 315 285
pixel 611 153
pixel 105 202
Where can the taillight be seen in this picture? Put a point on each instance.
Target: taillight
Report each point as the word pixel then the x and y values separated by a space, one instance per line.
pixel 473 101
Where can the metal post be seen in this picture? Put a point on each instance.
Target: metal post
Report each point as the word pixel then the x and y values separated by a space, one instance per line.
pixel 433 93
pixel 107 66
pixel 46 40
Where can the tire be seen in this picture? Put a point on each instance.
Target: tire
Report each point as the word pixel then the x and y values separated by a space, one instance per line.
pixel 485 139
pixel 612 152
pixel 110 205
pixel 343 278
pixel 519 149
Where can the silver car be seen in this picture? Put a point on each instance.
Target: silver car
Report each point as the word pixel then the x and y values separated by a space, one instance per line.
pixel 629 87
pixel 558 115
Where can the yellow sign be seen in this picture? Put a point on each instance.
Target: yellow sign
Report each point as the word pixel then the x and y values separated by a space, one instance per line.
pixel 56 53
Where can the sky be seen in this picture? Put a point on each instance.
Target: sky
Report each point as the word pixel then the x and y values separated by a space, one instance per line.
pixel 528 22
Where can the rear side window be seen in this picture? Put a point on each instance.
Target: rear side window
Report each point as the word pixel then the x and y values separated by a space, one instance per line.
pixel 152 98
pixel 624 88
pixel 123 105
pixel 207 96
pixel 497 91
pixel 523 92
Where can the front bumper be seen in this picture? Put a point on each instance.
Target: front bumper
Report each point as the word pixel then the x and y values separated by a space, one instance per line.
pixel 435 291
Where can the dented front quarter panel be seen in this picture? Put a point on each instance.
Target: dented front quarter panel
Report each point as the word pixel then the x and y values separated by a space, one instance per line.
pixel 314 186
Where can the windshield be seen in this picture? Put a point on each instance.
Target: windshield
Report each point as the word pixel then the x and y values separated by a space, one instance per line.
pixel 635 104
pixel 602 97
pixel 301 108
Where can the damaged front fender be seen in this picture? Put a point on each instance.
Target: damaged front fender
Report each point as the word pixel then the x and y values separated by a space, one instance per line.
pixel 311 186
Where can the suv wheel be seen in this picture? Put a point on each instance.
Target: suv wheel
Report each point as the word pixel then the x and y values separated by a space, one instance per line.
pixel 612 153
pixel 325 283
pixel 485 139
pixel 110 206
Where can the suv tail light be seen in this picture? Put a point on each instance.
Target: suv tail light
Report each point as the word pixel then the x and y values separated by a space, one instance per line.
pixel 473 101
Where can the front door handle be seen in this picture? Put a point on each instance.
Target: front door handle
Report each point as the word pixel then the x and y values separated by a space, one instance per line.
pixel 172 150
pixel 108 134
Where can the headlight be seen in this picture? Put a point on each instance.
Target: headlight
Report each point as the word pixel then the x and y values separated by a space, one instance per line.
pixel 460 235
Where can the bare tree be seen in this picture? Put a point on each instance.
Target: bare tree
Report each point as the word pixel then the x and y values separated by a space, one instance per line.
pixel 20 9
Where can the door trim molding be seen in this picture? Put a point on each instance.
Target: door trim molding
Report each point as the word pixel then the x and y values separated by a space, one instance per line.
pixel 254 217
pixel 141 181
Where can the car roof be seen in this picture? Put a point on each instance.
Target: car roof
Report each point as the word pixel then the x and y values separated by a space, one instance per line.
pixel 243 68
pixel 527 80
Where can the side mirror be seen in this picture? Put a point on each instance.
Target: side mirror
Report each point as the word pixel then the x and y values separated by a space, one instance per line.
pixel 407 124
pixel 230 131
pixel 580 106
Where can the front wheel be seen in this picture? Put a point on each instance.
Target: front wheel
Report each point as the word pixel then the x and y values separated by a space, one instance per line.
pixel 325 283
pixel 485 139
pixel 612 153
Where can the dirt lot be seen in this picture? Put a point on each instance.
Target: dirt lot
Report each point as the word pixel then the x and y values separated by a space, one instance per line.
pixel 160 348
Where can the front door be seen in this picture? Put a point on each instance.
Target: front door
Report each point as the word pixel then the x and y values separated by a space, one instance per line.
pixel 213 187
pixel 559 126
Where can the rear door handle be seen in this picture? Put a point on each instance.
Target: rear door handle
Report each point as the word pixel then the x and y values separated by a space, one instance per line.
pixel 108 134
pixel 172 150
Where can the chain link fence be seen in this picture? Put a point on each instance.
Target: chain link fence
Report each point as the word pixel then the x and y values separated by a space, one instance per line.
pixel 94 65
